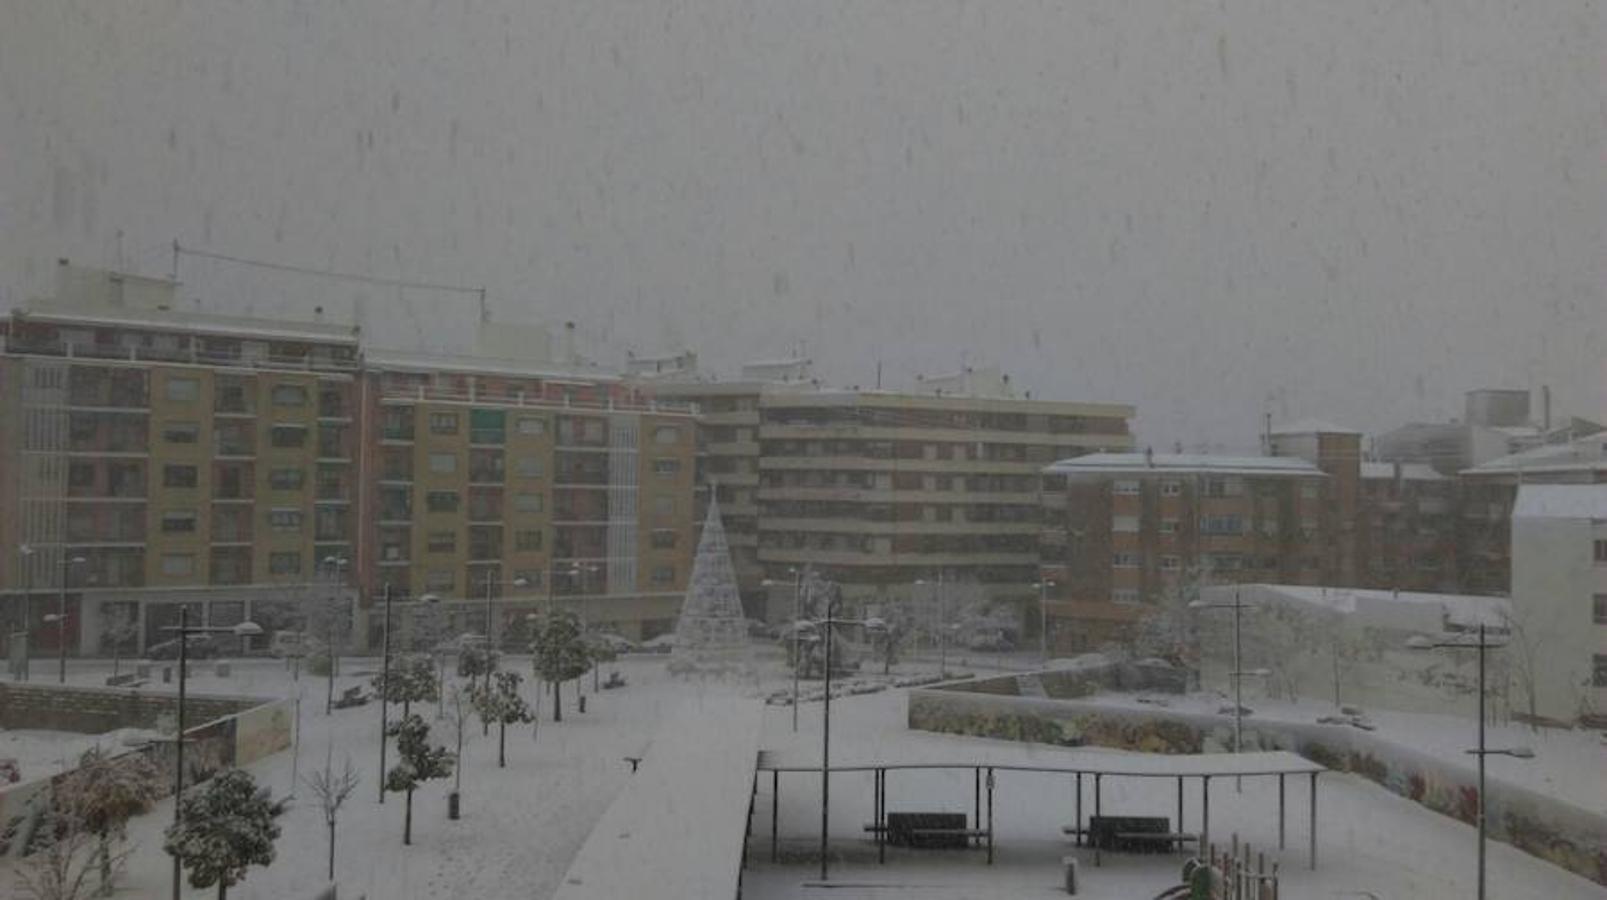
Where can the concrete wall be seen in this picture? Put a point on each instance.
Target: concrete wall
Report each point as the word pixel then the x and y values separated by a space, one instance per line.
pixel 1560 833
pixel 234 731
pixel 1554 576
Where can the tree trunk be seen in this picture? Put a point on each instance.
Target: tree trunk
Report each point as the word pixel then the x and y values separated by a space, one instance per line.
pixel 407 820
pixel 502 745
pixel 331 851
pixel 557 702
pixel 223 889
pixel 105 865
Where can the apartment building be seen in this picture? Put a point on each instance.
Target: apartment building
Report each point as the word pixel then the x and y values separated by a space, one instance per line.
pixel 884 490
pixel 1488 493
pixel 247 467
pixel 527 484
pixel 1406 528
pixel 1127 534
pixel 1559 598
pixel 1337 451
pixel 157 459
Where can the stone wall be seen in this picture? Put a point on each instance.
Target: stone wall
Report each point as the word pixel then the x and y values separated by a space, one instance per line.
pixel 233 731
pixel 88 710
pixel 1556 831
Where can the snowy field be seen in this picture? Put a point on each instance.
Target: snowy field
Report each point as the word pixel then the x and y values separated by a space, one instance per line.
pixel 522 825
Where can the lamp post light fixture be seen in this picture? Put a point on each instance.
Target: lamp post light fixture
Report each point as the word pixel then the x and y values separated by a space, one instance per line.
pixel 60 618
pixel 1481 643
pixel 184 629
pixel 336 564
pixel 1238 673
pixel 942 624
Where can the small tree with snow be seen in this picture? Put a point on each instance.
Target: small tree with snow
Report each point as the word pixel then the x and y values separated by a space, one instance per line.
pixel 419 763
pixel 226 826
pixel 63 857
pixel 121 629
pixel 559 653
pixel 411 680
pixel 503 706
pixel 102 794
pixel 332 788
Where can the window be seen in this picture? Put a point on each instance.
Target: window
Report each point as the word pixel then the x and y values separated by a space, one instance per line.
pixel 441 501
pixel 666 466
pixel 1224 487
pixel 664 506
pixel 530 467
pixel 1168 526
pixel 527 503
pixel 181 433
pixel 1124 596
pixel 289 395
pixel 284 563
pixel 1124 486
pixel 443 463
pixel 1171 562
pixel 80 475
pixel 179 476
pixel 443 423
pixel 1124 560
pixel 664 539
pixel 1221 525
pixel 1601 552
pixel 438 580
pixel 289 436
pixel 183 390
pixel 286 479
pixel 666 434
pixel 178 564
pixel 1599 609
pixel 527 540
pixel 284 519
pixel 663 576
pixel 1308 491
pixel 1598 677
pixel 178 522
pixel 442 542
pixel 1171 488
pixel 1124 524
pixel 1225 562
pixel 532 425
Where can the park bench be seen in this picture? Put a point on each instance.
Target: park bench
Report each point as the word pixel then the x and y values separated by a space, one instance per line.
pixel 352 696
pixel 934 830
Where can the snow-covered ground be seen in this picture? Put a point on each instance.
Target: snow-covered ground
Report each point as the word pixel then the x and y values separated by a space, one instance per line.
pixel 522 825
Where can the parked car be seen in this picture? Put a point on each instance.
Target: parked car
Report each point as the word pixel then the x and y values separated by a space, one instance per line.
pixel 664 643
pixel 760 629
pixel 614 642
pixel 990 642
pixel 201 646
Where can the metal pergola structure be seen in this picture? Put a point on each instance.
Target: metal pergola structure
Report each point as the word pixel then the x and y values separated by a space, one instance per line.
pixel 987 762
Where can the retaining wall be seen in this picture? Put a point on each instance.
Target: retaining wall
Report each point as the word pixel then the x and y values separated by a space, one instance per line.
pixel 1556 831
pixel 234 731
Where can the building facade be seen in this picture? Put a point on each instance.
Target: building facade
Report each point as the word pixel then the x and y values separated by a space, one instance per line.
pixel 1406 528
pixel 254 469
pixel 1559 600
pixel 1128 535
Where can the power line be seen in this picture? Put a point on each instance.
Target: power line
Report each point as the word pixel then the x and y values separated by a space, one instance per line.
pixel 179 250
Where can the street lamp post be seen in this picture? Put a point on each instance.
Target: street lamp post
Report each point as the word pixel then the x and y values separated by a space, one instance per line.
pixel 1481 751
pixel 797 615
pixel 61 617
pixel 828 624
pixel 184 630
pixel 336 564
pixel 1043 587
pixel 26 552
pixel 942 625
pixel 384 688
pixel 1238 672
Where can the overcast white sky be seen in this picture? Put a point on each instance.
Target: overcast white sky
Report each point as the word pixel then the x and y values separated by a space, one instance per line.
pixel 1361 208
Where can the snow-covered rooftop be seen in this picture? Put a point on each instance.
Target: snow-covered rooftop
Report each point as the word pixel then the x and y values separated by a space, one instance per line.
pixel 1312 426
pixel 1409 471
pixel 191 322
pixel 1561 501
pixel 1580 454
pixel 411 361
pixel 1182 464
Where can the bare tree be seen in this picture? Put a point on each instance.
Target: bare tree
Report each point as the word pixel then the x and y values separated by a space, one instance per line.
pixel 332 788
pixel 61 867
pixel 122 627
pixel 1522 660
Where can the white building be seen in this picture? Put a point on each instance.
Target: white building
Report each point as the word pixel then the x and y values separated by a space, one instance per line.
pixel 1559 594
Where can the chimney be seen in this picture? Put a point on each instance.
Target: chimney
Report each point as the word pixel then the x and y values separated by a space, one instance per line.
pixel 1545 408
pixel 567 350
pixel 1149 457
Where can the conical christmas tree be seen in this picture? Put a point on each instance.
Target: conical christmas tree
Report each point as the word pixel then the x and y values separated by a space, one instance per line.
pixel 712 634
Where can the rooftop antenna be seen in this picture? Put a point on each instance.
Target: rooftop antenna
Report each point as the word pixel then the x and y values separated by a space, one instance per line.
pixel 878 374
